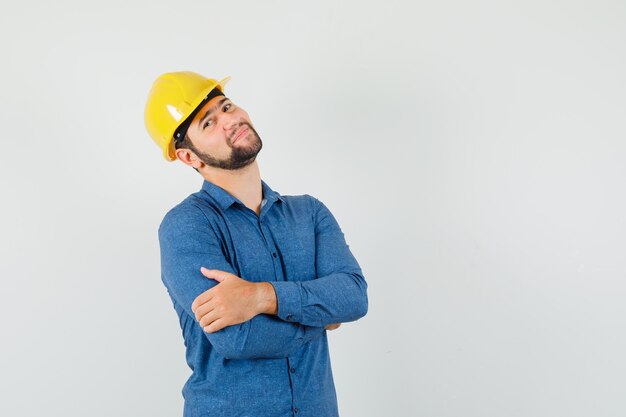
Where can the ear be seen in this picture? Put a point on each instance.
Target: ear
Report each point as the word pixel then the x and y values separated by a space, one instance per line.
pixel 187 156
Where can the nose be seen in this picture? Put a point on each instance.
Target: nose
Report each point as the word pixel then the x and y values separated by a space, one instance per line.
pixel 230 121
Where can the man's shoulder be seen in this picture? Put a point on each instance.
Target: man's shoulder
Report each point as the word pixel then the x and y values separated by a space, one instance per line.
pixel 301 201
pixel 298 199
pixel 192 209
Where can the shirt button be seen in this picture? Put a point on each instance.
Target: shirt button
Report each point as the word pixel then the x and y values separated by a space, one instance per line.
pixel 289 317
pixel 293 370
pixel 295 410
pixel 274 254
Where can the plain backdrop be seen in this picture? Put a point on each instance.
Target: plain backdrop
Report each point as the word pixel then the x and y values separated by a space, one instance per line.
pixel 472 152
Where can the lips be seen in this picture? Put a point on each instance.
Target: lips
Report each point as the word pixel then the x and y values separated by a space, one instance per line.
pixel 240 133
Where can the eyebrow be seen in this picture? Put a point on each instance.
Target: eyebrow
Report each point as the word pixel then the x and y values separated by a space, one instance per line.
pixel 211 110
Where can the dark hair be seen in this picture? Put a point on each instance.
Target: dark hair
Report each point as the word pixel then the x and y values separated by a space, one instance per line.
pixel 186 143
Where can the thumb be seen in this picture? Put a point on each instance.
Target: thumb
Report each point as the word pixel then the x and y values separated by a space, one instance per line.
pixel 215 274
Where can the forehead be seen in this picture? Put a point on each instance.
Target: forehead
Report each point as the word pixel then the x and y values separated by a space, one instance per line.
pixel 209 107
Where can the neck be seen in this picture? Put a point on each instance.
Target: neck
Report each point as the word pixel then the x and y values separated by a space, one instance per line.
pixel 243 184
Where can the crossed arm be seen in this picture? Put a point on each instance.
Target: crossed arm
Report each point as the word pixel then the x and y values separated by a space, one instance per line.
pixel 244 319
pixel 234 300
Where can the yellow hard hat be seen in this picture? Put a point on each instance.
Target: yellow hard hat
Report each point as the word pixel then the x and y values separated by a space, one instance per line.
pixel 174 97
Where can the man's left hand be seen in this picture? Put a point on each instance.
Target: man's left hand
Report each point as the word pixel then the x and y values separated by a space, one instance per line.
pixel 232 301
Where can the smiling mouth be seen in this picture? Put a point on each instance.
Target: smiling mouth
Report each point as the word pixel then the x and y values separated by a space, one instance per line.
pixel 240 133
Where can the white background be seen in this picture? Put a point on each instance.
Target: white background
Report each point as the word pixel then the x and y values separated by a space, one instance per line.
pixel 473 153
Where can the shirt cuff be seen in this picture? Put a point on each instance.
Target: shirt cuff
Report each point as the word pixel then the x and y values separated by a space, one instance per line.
pixel 288 300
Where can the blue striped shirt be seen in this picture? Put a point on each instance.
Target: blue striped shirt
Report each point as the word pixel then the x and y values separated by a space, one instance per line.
pixel 272 365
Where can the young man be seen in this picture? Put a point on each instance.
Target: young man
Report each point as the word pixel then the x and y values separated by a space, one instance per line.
pixel 255 277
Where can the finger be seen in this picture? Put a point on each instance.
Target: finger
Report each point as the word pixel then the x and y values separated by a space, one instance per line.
pixel 215 274
pixel 201 299
pixel 218 324
pixel 203 310
pixel 208 318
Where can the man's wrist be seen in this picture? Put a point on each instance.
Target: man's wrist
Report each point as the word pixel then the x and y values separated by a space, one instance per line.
pixel 268 303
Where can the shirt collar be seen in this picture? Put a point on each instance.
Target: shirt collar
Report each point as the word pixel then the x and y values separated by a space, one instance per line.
pixel 225 200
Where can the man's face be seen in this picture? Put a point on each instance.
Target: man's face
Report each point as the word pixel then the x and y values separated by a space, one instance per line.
pixel 222 135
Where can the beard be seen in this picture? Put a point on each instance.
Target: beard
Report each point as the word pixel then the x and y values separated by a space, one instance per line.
pixel 240 156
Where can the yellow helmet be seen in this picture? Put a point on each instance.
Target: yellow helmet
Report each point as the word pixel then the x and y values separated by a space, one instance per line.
pixel 174 97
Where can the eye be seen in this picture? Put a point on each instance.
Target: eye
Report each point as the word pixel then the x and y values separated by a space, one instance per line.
pixel 208 123
pixel 227 107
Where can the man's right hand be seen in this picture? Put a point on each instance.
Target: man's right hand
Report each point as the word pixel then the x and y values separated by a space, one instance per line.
pixel 332 326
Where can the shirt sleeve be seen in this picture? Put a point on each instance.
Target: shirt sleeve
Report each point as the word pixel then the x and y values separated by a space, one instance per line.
pixel 188 242
pixel 339 293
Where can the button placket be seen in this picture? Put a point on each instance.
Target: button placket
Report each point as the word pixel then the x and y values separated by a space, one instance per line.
pixel 269 243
